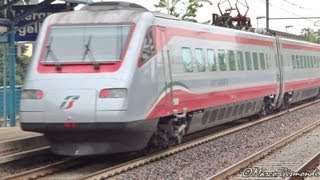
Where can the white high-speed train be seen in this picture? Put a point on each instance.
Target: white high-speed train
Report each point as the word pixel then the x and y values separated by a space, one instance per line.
pixel 115 77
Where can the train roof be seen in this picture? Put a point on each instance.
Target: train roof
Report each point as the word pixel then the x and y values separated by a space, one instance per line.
pixel 100 12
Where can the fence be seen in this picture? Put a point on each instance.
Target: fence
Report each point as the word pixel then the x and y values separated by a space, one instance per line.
pixel 6 103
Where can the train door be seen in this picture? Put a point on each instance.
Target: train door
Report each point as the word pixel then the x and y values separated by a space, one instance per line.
pixel 280 73
pixel 165 59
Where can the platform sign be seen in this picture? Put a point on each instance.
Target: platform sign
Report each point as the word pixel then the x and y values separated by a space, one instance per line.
pixel 29 33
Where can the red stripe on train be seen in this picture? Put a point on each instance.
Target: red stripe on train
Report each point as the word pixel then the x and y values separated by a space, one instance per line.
pixel 199 101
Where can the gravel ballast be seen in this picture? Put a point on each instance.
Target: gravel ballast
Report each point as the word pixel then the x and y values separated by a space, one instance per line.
pixel 208 159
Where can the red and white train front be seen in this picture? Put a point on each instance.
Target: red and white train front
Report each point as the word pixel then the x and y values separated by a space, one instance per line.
pixel 78 87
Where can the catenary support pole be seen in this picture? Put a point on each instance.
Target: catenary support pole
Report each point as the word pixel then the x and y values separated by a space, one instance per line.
pixel 267 14
pixel 4 74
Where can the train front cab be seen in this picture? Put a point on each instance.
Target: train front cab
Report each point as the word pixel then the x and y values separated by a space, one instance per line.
pixel 78 87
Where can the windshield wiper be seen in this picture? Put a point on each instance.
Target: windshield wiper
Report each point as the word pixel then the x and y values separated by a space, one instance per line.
pixel 87 51
pixel 54 57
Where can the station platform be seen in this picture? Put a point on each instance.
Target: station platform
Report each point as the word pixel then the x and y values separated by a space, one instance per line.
pixel 12 133
pixel 14 140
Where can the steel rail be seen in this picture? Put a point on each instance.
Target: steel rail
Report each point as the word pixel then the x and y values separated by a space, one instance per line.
pixel 114 170
pixel 23 154
pixel 46 170
pixel 259 155
pixel 306 165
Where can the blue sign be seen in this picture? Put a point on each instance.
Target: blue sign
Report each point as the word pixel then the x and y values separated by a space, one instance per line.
pixel 30 32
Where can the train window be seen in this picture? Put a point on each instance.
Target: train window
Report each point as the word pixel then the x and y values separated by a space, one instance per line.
pixel 211 60
pixel 268 61
pixel 314 61
pixel 294 65
pixel 200 60
pixel 300 61
pixel 310 64
pixel 248 60
pixel 148 47
pixel 306 63
pixel 262 62
pixel 232 60
pixel 240 60
pixel 187 59
pixel 255 61
pixel 222 60
pixel 318 62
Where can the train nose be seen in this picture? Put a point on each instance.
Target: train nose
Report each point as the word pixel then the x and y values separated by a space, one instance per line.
pixel 70 106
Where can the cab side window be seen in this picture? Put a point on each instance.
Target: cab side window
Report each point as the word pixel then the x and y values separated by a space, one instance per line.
pixel 148 49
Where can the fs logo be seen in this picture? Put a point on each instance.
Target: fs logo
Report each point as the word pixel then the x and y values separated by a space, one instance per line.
pixel 68 102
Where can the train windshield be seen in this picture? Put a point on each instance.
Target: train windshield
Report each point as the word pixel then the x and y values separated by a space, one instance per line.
pixel 85 44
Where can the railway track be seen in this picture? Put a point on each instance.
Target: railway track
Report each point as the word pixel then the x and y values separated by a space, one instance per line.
pixel 282 159
pixel 113 170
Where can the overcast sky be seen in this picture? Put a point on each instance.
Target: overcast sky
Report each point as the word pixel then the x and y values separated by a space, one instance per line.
pixel 278 8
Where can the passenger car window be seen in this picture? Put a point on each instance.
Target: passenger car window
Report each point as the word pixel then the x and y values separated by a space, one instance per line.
pixel 187 59
pixel 248 60
pixel 232 60
pixel 200 60
pixel 262 61
pixel 294 65
pixel 211 60
pixel 268 61
pixel 240 60
pixel 222 60
pixel 300 61
pixel 307 63
pixel 255 61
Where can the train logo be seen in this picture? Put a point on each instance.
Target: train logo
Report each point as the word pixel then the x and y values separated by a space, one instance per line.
pixel 69 102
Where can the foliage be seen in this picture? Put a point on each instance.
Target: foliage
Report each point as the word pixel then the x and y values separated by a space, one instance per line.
pixel 21 66
pixel 189 13
pixel 310 34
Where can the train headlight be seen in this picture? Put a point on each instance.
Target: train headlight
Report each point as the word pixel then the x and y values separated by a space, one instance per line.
pixel 113 93
pixel 31 94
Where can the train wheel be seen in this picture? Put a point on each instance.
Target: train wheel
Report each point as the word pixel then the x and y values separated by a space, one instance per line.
pixel 170 132
pixel 263 110
pixel 266 108
pixel 286 101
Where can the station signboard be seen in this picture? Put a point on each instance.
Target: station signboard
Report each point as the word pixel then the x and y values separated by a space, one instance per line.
pixel 30 32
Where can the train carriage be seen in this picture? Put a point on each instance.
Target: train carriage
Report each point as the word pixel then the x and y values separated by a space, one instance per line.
pixel 115 77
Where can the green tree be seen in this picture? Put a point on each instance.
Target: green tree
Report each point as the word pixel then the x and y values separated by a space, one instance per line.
pixel 21 66
pixel 188 13
pixel 310 34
